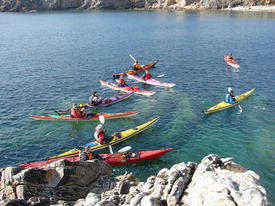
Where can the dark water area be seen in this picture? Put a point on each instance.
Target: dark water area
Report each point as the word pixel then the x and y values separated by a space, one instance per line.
pixel 51 60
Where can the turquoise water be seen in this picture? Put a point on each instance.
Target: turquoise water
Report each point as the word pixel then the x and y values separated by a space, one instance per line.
pixel 51 60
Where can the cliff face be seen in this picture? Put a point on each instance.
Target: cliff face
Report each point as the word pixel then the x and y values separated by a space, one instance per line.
pixel 40 5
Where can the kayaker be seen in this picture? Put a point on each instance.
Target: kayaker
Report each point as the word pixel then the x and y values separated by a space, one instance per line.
pixel 136 66
pixel 87 154
pixel 146 75
pixel 121 82
pixel 230 98
pixel 76 112
pixel 100 134
pixel 230 57
pixel 94 99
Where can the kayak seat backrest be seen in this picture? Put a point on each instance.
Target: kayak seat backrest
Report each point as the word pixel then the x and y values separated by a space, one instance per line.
pixel 118 135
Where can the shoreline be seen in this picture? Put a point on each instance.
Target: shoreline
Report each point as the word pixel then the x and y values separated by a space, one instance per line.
pixel 252 8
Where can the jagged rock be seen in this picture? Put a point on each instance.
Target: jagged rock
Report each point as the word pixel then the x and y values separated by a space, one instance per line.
pixel 136 200
pixel 37 201
pixel 213 184
pixel 79 202
pixel 150 201
pixel 91 199
pixel 61 180
pixel 14 202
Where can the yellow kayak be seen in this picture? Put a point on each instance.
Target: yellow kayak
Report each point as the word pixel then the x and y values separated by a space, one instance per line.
pixel 224 105
pixel 115 138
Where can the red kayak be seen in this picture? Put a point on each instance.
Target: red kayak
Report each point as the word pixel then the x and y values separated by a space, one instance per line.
pixel 112 159
pixel 132 71
pixel 87 117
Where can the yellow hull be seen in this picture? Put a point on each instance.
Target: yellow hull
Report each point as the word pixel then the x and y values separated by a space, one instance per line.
pixel 116 139
pixel 224 105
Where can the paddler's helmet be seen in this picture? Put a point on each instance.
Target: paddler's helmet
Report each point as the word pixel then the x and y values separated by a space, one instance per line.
pixel 230 90
pixel 94 92
pixel 74 106
pixel 121 77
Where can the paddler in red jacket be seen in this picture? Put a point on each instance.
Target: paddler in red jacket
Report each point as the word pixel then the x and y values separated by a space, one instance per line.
pixel 76 112
pixel 146 75
pixel 100 134
pixel 230 57
pixel 121 82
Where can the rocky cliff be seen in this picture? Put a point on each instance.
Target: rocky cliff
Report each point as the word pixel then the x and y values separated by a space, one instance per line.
pixel 39 5
pixel 215 181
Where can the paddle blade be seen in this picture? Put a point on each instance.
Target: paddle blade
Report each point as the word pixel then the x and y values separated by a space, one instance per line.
pixel 111 149
pixel 124 149
pixel 132 57
pixel 101 119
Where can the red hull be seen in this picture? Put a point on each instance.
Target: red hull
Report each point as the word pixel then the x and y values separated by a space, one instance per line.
pixel 112 159
pixel 96 116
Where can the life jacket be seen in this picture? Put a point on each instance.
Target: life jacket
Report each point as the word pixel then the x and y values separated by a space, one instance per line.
pixel 95 100
pixel 89 155
pixel 147 76
pixel 85 156
pixel 121 83
pixel 101 137
pixel 75 113
pixel 230 99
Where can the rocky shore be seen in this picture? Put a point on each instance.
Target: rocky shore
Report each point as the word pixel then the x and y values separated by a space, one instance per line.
pixel 42 5
pixel 215 181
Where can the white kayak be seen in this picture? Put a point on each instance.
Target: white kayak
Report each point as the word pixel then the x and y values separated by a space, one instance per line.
pixel 151 81
pixel 127 89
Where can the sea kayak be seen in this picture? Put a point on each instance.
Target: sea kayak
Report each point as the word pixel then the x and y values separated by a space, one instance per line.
pixel 87 117
pixel 231 62
pixel 132 71
pixel 151 81
pixel 224 105
pixel 112 159
pixel 105 102
pixel 127 89
pixel 114 139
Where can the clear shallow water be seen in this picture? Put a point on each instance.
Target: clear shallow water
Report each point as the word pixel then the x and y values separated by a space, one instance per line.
pixel 51 60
